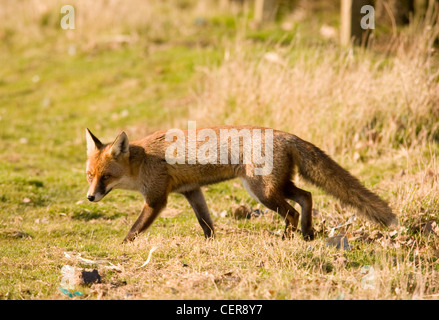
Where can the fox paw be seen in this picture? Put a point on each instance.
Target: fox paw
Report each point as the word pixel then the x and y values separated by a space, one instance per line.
pixel 308 235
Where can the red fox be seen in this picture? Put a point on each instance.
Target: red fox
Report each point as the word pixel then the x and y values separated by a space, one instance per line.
pixel 182 161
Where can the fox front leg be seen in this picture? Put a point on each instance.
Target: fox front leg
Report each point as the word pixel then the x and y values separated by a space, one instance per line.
pixel 147 216
pixel 198 204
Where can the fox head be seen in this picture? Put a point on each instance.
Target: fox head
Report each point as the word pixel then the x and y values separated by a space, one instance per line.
pixel 107 165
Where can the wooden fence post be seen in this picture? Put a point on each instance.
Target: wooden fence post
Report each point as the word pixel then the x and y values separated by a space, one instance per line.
pixel 265 10
pixel 351 21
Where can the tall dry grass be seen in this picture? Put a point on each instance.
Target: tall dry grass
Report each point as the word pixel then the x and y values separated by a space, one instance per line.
pixel 101 21
pixel 338 98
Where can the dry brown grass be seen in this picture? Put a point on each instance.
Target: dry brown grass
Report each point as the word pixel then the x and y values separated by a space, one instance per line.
pixel 375 110
pixel 344 100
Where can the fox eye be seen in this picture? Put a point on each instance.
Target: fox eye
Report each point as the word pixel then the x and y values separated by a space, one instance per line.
pixel 89 176
pixel 106 177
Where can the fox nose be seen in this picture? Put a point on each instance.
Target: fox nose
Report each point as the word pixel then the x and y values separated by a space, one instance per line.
pixel 91 198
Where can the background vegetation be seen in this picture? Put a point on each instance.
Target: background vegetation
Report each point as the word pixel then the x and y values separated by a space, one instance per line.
pixel 140 66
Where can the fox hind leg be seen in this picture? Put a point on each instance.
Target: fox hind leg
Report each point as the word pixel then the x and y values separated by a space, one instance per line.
pixel 304 199
pixel 286 211
pixel 275 201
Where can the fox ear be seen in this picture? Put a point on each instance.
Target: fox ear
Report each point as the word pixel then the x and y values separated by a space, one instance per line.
pixel 120 146
pixel 93 143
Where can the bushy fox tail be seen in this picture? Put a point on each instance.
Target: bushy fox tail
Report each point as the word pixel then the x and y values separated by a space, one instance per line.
pixel 319 169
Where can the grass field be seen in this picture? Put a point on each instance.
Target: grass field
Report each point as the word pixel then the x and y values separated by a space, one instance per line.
pixel 143 66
